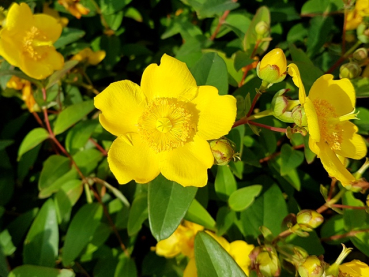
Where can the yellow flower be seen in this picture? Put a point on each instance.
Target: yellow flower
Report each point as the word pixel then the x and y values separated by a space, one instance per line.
pixel 354 268
pixel 27 41
pixel 27 96
pixel 355 16
pixel 90 56
pixel 272 68
pixel 74 7
pixel 163 126
pixel 240 250
pixel 329 107
pixel 54 13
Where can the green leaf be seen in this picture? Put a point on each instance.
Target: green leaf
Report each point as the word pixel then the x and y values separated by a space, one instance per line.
pixel 225 219
pixel 79 134
pixel 361 241
pixel 57 75
pixel 225 182
pixel 138 214
pixel 211 70
pixel 331 227
pixel 19 226
pixel 40 271
pixel 6 244
pixel 87 160
pixel 4 143
pixel 42 241
pixel 242 59
pixel 291 159
pixel 243 198
pixel 321 6
pixel 311 243
pixel 361 86
pixel 168 203
pixel 319 33
pixel 126 267
pixel 68 36
pixel 209 8
pixel 268 210
pixel 72 115
pixel 309 155
pixel 80 231
pixel 212 260
pixel 114 20
pixel 354 218
pixel 32 139
pixel 198 214
pixel 111 45
pixel 111 6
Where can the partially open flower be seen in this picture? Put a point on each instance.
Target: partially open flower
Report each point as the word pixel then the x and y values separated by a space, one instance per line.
pixel 89 56
pixel 27 95
pixel 272 68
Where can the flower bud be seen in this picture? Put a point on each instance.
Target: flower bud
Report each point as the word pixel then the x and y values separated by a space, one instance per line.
pixel 272 68
pixel 294 130
pixel 360 55
pixel 268 264
pixel 281 106
pixel 309 218
pixel 311 267
pixel 261 28
pixel 299 116
pixel 350 70
pixel 363 32
pixel 223 151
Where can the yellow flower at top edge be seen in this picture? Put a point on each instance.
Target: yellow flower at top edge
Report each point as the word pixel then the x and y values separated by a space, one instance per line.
pixel 54 13
pixel 27 96
pixel 26 41
pixel 163 125
pixel 355 16
pixel 329 107
pixel 90 56
pixel 354 268
pixel 74 7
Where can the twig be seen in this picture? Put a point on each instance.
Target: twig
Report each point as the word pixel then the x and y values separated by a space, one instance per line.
pixel 349 234
pixel 98 146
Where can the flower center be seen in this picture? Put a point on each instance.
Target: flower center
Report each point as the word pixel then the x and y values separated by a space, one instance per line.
pixel 34 44
pixel 167 124
pixel 330 129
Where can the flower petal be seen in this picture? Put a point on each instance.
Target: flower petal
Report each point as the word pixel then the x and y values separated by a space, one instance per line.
pixel 339 93
pixel 216 113
pixel 136 161
pixel 333 165
pixel 240 251
pixel 10 48
pixel 312 120
pixel 191 269
pixel 121 104
pixel 171 78
pixel 188 165
pixel 48 25
pixel 294 72
pixel 353 145
pixel 19 17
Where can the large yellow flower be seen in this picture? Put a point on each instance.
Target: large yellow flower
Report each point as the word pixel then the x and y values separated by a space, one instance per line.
pixel 27 41
pixel 355 16
pixel 163 126
pixel 354 268
pixel 329 107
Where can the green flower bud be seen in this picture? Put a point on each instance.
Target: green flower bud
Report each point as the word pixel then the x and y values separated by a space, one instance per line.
pixel 281 106
pixel 268 264
pixel 309 219
pixel 363 32
pixel 360 54
pixel 350 70
pixel 311 267
pixel 223 151
pixel 262 28
pixel 296 129
pixel 299 116
pixel 272 68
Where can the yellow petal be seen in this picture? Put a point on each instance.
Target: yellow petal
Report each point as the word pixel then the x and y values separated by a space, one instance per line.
pixel 312 120
pixel 222 241
pixel 48 25
pixel 216 113
pixel 294 72
pixel 191 269
pixel 97 57
pixel 355 268
pixel 339 93
pixel 171 78
pixel 240 251
pixel 10 49
pixel 19 17
pixel 135 161
pixel 353 145
pixel 333 165
pixel 169 247
pixel 121 104
pixel 188 165
pixel 313 145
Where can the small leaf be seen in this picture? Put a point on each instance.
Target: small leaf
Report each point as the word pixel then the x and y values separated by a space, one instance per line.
pixel 78 136
pixel 40 271
pixel 244 197
pixel 138 214
pixel 291 159
pixel 209 8
pixel 126 267
pixel 168 203
pixel 32 139
pixel 198 214
pixel 57 75
pixel 225 219
pixel 225 182
pixel 4 143
pixel 68 36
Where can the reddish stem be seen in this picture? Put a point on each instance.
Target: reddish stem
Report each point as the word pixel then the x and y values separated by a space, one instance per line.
pixel 221 21
pixel 99 147
pixel 38 119
pixel 349 234
pixel 336 64
pixel 333 184
pixel 347 207
pixel 256 98
pixel 275 129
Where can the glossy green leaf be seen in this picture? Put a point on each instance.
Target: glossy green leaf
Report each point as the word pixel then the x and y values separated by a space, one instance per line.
pixel 68 35
pixel 79 134
pixel 6 244
pixel 225 182
pixel 361 86
pixel 168 203
pixel 311 243
pixel 112 6
pixel 198 214
pixel 244 197
pixel 114 20
pixel 42 241
pixel 331 227
pixel 32 139
pixel 361 241
pixel 72 115
pixel 212 260
pixel 87 160
pixel 80 231
pixel 57 75
pixel 354 218
pixel 291 159
pixel 138 214
pixel 225 219
pixel 126 267
pixel 20 225
pixel 319 31
pixel 209 8
pixel 40 271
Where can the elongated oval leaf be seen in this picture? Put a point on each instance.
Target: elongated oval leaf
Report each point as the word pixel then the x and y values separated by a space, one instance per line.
pixel 198 214
pixel 212 260
pixel 57 75
pixel 126 267
pixel 168 203
pixel 32 139
pixel 42 242
pixel 40 271
pixel 225 183
pixel 80 231
pixel 138 214
pixel 243 198
pixel 72 115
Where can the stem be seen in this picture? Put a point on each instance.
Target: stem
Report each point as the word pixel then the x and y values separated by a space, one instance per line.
pixel 221 21
pixel 334 200
pixel 278 153
pixel 333 184
pixel 275 129
pixel 38 119
pixel 349 234
pixel 347 207
pixel 257 96
pixel 345 56
pixel 98 146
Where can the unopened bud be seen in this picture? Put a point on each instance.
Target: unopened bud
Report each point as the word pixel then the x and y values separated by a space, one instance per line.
pixel 268 264
pixel 223 151
pixel 294 130
pixel 363 33
pixel 262 28
pixel 350 70
pixel 309 219
pixel 360 54
pixel 272 68
pixel 311 267
pixel 299 116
